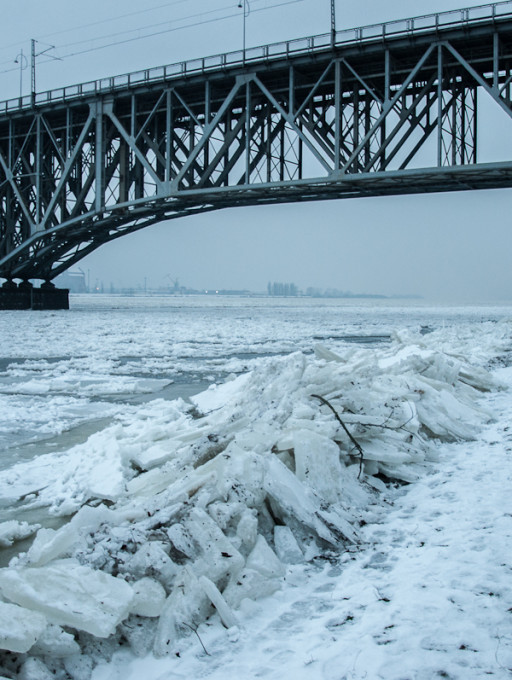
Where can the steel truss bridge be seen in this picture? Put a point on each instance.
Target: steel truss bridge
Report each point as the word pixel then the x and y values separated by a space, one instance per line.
pixel 385 109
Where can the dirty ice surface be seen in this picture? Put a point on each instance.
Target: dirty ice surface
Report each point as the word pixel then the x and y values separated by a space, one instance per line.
pixel 328 509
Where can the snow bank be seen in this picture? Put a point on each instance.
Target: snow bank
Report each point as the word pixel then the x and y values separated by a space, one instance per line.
pixel 208 504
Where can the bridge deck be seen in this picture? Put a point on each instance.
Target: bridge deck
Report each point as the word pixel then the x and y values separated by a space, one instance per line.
pixel 411 29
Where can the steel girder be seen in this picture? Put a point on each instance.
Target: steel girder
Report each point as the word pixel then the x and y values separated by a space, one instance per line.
pixel 389 117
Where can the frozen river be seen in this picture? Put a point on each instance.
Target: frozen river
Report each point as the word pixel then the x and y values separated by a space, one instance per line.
pixel 64 375
pixel 172 501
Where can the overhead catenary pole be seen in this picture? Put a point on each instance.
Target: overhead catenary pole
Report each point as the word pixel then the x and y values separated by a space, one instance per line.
pixel 33 71
pixel 33 66
pixel 244 4
pixel 333 23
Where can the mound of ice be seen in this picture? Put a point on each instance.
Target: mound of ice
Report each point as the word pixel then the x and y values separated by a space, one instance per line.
pixel 208 505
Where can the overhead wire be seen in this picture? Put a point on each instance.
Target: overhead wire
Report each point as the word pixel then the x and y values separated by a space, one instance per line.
pixel 116 18
pixel 169 29
pixel 142 28
pixel 101 21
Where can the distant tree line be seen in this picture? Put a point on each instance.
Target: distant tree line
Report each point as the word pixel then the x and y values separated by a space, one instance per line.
pixel 286 289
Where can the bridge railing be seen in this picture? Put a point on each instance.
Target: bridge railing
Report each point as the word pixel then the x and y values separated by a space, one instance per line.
pixel 298 46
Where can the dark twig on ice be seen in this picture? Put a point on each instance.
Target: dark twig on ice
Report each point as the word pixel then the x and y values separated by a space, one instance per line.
pixel 340 421
pixel 195 631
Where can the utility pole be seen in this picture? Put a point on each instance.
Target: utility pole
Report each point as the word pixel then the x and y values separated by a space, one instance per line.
pixel 247 10
pixel 33 66
pixel 33 71
pixel 333 23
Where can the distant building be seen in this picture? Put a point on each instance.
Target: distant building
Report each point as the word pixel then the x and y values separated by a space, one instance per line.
pixel 74 281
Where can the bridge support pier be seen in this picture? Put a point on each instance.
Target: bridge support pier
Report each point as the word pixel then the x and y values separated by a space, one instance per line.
pixel 26 296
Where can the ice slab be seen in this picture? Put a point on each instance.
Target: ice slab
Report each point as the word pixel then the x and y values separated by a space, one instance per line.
pixel 225 612
pixel 287 548
pixel 317 462
pixel 217 396
pixel 70 594
pixel 19 627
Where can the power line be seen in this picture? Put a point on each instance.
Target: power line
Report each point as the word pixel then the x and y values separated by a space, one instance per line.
pixel 116 18
pixel 170 29
pixel 127 32
pixel 102 21
pixel 142 28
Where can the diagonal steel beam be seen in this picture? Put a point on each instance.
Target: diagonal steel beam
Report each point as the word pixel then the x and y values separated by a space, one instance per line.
pixel 481 81
pixel 131 141
pixel 312 128
pixel 229 138
pixel 427 131
pixel 181 145
pixel 405 115
pixel 149 118
pixel 208 130
pixel 187 108
pixel 67 169
pixel 262 152
pixel 387 107
pixel 314 89
pixel 292 122
pixel 10 178
pixel 54 141
pixel 27 136
pixel 362 81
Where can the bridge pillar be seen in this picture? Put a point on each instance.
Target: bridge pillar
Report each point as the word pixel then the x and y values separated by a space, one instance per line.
pixel 25 296
pixel 50 297
pixel 13 296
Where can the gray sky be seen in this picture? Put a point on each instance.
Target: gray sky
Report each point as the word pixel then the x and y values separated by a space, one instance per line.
pixel 450 247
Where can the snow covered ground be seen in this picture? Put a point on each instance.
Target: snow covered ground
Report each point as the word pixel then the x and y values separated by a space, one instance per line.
pixel 242 536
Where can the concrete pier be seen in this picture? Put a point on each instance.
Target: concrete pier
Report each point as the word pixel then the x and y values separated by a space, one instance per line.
pixel 27 296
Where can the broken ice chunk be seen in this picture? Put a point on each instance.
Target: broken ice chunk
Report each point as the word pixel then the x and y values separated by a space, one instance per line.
pixel 49 544
pixel 55 642
pixel 321 352
pixel 287 548
pixel 247 529
pixel 249 584
pixel 317 462
pixel 216 556
pixel 19 627
pixel 70 594
pixel 264 560
pixel 186 607
pixel 151 559
pixel 295 500
pixel 13 530
pixel 35 669
pixel 223 609
pixel 149 597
